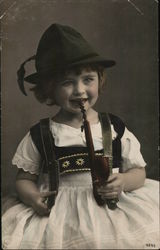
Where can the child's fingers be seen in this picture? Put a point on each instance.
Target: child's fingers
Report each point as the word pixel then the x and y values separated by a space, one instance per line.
pixel 111 178
pixel 42 209
pixel 45 196
pixel 106 190
pixel 111 195
pixel 111 186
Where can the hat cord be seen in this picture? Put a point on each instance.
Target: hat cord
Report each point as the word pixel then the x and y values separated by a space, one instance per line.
pixel 21 73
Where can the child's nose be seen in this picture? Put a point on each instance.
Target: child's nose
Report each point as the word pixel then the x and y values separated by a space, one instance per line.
pixel 79 88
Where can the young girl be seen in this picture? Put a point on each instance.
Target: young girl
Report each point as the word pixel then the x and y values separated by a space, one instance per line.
pixel 68 71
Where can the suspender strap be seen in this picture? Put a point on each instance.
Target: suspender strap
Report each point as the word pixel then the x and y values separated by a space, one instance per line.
pixel 50 159
pixel 106 137
pixel 107 145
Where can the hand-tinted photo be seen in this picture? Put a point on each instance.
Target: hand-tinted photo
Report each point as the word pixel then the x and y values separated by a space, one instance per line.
pixel 79 124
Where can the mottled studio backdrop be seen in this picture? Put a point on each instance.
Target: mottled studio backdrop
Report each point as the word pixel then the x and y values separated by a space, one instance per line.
pixel 123 30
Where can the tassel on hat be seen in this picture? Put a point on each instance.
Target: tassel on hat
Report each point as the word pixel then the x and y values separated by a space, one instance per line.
pixel 21 73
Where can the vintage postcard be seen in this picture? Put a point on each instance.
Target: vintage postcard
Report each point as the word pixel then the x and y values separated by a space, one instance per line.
pixel 79 124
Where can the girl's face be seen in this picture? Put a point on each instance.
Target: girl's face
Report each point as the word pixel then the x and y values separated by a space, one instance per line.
pixel 74 87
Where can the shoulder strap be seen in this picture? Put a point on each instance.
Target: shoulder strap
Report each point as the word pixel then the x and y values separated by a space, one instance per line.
pixel 36 138
pixel 43 140
pixel 50 158
pixel 106 133
pixel 106 137
pixel 118 124
pixel 119 127
pixel 112 148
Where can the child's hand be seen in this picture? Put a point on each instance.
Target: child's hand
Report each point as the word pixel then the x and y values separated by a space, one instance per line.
pixel 113 187
pixel 39 203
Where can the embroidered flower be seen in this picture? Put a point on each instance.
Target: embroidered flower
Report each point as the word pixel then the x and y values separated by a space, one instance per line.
pixel 65 164
pixel 80 161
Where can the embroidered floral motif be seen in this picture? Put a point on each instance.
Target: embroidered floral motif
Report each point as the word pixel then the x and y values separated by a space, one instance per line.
pixel 80 161
pixel 65 164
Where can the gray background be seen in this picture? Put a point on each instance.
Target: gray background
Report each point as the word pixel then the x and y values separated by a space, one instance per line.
pixel 123 30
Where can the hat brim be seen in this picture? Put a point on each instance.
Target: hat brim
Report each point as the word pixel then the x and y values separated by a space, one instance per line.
pixel 35 77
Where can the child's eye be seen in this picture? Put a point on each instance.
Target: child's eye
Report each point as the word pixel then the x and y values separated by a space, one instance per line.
pixel 67 83
pixel 88 79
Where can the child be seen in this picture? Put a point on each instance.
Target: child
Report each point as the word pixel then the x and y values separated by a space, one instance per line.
pixel 68 71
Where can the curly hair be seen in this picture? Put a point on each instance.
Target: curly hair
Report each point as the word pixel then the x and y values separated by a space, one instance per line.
pixel 43 91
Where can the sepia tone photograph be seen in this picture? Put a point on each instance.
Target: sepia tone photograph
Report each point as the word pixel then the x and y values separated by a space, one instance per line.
pixel 79 124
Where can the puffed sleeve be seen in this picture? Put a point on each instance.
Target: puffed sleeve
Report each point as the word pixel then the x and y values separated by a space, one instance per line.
pixel 27 156
pixel 131 153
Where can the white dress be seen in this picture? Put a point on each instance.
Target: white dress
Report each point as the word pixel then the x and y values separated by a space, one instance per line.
pixel 76 221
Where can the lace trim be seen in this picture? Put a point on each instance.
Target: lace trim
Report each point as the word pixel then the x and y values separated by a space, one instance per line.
pixel 26 166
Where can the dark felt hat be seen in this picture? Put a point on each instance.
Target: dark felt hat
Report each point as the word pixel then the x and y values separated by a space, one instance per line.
pixel 60 47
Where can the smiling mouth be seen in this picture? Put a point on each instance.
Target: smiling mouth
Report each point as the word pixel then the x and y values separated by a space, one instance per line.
pixel 79 100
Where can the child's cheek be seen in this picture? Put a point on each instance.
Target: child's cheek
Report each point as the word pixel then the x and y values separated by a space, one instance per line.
pixel 61 94
pixel 94 92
